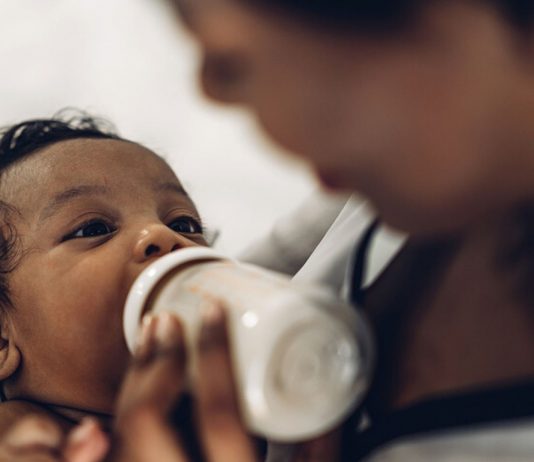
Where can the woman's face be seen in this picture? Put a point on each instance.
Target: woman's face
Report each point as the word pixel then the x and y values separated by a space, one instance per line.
pixel 91 215
pixel 417 120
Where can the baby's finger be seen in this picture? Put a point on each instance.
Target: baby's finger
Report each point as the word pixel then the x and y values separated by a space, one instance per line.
pixel 222 432
pixel 86 443
pixel 156 376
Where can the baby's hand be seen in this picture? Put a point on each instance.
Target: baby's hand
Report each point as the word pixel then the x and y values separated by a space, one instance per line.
pixel 155 382
pixel 39 439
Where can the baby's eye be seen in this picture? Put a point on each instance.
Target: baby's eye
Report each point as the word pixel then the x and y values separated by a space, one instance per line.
pixel 185 225
pixel 94 228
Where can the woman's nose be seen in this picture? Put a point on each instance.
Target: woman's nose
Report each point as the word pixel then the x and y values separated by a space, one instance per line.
pixel 158 240
pixel 224 78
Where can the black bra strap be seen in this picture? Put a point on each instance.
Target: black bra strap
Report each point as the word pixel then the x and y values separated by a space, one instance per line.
pixel 360 264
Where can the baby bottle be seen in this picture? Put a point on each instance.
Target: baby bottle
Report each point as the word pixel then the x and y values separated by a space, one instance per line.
pixel 302 358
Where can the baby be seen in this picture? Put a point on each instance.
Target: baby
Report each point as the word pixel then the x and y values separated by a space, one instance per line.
pixel 83 213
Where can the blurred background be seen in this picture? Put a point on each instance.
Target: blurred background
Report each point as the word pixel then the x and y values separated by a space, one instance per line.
pixel 129 61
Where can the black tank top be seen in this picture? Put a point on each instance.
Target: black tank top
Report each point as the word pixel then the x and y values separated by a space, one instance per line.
pixel 424 262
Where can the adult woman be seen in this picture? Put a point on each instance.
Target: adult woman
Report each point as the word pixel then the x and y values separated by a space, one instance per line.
pixel 425 108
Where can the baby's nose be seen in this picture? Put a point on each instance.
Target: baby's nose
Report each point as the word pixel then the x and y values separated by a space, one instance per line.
pixel 158 240
pixel 155 250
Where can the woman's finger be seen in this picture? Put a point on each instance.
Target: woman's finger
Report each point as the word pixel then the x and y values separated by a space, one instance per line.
pixel 33 438
pixel 222 433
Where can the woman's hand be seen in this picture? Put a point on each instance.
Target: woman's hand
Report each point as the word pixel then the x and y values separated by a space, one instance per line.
pixel 36 438
pixel 155 383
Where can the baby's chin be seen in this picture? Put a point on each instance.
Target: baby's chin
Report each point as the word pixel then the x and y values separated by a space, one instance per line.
pixel 99 396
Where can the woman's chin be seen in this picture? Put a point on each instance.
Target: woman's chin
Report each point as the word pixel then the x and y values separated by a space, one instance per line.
pixel 333 181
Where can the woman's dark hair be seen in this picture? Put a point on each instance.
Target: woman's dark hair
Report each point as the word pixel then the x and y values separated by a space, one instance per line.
pixel 359 15
pixel 381 15
pixel 27 138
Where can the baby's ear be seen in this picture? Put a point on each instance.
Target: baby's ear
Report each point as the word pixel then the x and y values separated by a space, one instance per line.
pixel 9 353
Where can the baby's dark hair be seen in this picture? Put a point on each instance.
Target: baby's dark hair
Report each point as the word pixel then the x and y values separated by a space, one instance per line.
pixel 27 138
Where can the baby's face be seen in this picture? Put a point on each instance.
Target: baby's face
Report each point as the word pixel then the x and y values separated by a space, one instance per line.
pixel 93 215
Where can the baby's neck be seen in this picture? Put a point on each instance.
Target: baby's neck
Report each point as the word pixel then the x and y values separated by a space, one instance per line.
pixel 66 416
pixel 76 415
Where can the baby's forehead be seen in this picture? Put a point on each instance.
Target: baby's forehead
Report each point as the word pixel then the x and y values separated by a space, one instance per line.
pixel 100 154
pixel 67 164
